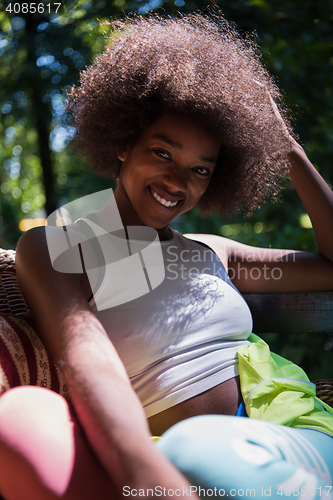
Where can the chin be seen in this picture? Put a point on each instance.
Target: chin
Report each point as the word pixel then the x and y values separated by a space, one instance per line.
pixel 158 227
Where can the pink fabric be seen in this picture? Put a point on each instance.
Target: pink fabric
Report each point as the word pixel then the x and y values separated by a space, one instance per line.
pixel 23 358
pixel 43 452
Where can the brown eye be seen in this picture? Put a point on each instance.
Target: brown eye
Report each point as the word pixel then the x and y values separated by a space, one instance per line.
pixel 162 154
pixel 202 171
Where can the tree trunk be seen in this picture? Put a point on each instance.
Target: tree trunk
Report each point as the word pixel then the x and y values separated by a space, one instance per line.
pixel 41 114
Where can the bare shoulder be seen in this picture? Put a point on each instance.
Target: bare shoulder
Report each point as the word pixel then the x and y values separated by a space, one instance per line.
pixel 220 245
pixel 31 248
pixel 57 246
pixel 38 240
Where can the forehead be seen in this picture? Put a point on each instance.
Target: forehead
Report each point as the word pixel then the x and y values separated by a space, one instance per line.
pixel 182 130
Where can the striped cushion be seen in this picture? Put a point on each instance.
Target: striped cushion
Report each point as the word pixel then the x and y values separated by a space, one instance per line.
pixel 23 358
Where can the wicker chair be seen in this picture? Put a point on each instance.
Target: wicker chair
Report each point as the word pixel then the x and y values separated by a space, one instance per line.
pixel 11 301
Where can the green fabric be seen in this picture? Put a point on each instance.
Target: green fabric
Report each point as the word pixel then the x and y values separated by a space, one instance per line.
pixel 278 391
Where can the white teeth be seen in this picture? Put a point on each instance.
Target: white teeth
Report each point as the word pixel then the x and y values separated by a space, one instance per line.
pixel 164 202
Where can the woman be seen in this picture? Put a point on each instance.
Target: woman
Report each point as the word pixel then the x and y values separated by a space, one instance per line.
pixel 182 113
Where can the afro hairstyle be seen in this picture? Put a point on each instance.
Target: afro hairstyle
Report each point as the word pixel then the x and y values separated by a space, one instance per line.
pixel 196 64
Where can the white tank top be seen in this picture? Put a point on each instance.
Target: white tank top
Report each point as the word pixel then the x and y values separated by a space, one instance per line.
pixel 182 337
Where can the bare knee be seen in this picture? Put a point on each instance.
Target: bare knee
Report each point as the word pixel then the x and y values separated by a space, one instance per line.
pixel 36 439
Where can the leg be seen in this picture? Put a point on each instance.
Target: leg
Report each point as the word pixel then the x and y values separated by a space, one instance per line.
pixel 242 457
pixel 43 453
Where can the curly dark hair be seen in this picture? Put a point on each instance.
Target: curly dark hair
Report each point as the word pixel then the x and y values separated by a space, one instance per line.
pixel 196 64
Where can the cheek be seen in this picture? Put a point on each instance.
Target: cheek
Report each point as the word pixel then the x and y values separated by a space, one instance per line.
pixel 127 175
pixel 197 195
pixel 133 181
pixel 201 190
pixel 194 199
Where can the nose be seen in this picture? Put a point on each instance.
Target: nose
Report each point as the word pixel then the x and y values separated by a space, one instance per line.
pixel 175 180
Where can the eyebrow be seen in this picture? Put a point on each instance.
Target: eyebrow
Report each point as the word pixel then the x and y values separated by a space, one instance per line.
pixel 176 145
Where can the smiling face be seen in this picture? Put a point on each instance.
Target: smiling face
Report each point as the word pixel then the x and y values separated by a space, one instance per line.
pixel 165 172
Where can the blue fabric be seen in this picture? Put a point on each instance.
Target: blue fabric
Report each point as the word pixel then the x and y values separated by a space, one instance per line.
pixel 241 412
pixel 243 457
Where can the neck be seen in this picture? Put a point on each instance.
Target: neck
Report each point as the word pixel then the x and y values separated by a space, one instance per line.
pixel 164 234
pixel 128 218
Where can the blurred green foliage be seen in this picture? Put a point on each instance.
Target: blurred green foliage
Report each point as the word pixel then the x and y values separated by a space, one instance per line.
pixel 41 56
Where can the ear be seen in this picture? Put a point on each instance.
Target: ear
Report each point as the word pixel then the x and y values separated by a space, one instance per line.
pixel 122 156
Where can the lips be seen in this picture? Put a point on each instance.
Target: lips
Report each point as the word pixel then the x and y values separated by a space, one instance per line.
pixel 165 202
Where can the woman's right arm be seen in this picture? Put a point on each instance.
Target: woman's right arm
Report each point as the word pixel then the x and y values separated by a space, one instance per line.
pixel 106 405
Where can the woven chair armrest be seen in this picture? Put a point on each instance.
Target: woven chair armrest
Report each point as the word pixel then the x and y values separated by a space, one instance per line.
pixel 325 390
pixel 11 299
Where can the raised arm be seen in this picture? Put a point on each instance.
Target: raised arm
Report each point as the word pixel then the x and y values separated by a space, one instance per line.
pixel 316 195
pixel 317 198
pixel 107 407
pixel 266 270
pixel 270 270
